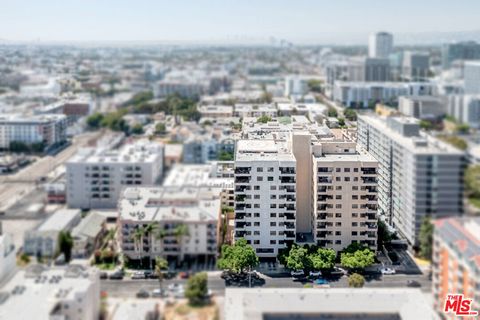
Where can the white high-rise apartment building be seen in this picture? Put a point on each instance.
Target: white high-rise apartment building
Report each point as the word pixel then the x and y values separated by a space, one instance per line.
pixel 95 177
pixel 380 45
pixel 465 108
pixel 49 129
pixel 302 182
pixel 418 174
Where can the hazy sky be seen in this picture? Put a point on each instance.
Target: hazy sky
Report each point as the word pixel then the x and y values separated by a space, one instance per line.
pixel 202 20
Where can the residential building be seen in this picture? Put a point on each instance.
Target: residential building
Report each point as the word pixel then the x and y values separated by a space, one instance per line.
pixel 8 256
pixel 423 107
pixel 456 261
pixel 88 234
pixel 43 241
pixel 48 129
pixel 295 86
pixel 96 176
pixel 173 155
pixel 253 110
pixel 419 175
pixel 380 45
pixel 468 50
pixel 327 303
pixel 472 77
pixel 290 186
pixel 215 111
pixel 71 292
pixel 364 94
pixel 465 109
pixel 166 208
pixel 416 65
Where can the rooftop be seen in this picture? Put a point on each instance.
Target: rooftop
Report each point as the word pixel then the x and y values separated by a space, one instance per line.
pixel 59 220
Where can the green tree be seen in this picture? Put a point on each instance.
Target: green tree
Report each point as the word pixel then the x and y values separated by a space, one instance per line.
pixel 94 121
pixel 225 156
pixel 160 128
pixel 137 129
pixel 341 122
pixel 332 112
pixel 181 232
pixel 358 260
pixel 197 289
pixel 356 280
pixel 472 181
pixel 463 128
pixel 160 266
pixel 426 125
pixel 298 258
pixel 238 257
pixel 425 238
pixel 383 235
pixel 323 259
pixel 315 85
pixel 65 244
pixel 455 141
pixel 350 114
pixel 264 119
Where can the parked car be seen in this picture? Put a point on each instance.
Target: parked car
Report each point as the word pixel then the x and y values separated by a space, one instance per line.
pixel 158 293
pixel 315 274
pixel 138 275
pixel 103 275
pixel 298 273
pixel 413 284
pixel 184 275
pixel 142 293
pixel 321 281
pixel 117 275
pixel 387 271
pixel 338 272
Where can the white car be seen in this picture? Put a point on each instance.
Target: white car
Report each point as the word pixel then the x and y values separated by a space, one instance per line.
pixel 157 293
pixel 387 271
pixel 315 273
pixel 298 273
pixel 138 275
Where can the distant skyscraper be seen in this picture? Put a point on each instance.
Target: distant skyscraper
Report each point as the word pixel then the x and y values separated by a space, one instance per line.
pixel 468 50
pixel 380 45
pixel 472 77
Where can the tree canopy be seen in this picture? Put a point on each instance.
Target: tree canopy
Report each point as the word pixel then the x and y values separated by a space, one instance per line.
pixel 197 289
pixel 472 181
pixel 356 280
pixel 238 257
pixel 298 258
pixel 323 258
pixel 65 244
pixel 264 119
pixel 359 259
pixel 425 238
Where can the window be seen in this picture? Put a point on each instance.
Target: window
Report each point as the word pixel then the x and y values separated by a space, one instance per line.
pixel 273 224
pixel 270 169
pixel 273 187
pixel 256 233
pixel 256 224
pixel 354 224
pixel 259 178
pixel 256 187
pixel 256 205
pixel 273 205
pixel 355 178
pixel 354 206
pixel 355 188
pixel 338 233
pixel 256 241
pixel 338 169
pixel 354 197
pixel 338 241
pixel 338 224
pixel 273 233
pixel 259 169
pixel 273 242
pixel 338 188
pixel 354 233
pixel 270 178
pixel 354 215
pixel 346 170
pixel 346 179
pixel 355 169
pixel 256 215
pixel 273 196
pixel 338 215
pixel 338 197
pixel 338 206
pixel 256 196
pixel 273 215
pixel 338 179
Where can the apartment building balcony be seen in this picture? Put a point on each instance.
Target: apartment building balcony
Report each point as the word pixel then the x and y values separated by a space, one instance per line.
pixel 371 207
pixel 287 170
pixel 324 198
pixel 240 225
pixel 290 207
pixel 289 234
pixel 287 179
pixel 243 170
pixel 322 189
pixel 242 179
pixel 369 170
pixel 324 170
pixel 239 215
pixel 324 243
pixel 325 180
pixel 240 234
pixel 240 206
pixel 242 188
pixel 240 198
pixel 371 189
pixel 369 180
pixel 369 198
pixel 289 225
pixel 289 189
pixel 289 216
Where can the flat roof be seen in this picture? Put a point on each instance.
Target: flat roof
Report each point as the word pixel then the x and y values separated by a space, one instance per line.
pixel 59 220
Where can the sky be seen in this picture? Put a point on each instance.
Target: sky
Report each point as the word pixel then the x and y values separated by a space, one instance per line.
pixel 235 20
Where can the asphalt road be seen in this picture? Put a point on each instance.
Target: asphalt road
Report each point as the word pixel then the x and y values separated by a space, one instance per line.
pixel 128 288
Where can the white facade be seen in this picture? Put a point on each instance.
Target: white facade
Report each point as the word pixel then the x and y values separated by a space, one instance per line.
pixel 380 45
pixel 254 110
pixel 7 256
pixel 50 129
pixel 52 294
pixel 198 208
pixel 284 190
pixel 465 109
pixel 418 175
pixel 95 177
pixel 362 94
pixel 44 240
pixel 423 107
pixel 472 77
pixel 295 86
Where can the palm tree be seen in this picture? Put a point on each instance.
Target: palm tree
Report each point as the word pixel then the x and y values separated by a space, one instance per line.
pixel 137 236
pixel 180 232
pixel 160 265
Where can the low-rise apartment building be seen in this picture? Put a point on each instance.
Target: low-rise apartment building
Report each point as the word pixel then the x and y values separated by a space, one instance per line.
pixel 95 177
pixel 159 213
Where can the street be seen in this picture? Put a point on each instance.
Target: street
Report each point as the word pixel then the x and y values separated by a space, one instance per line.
pixel 128 288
